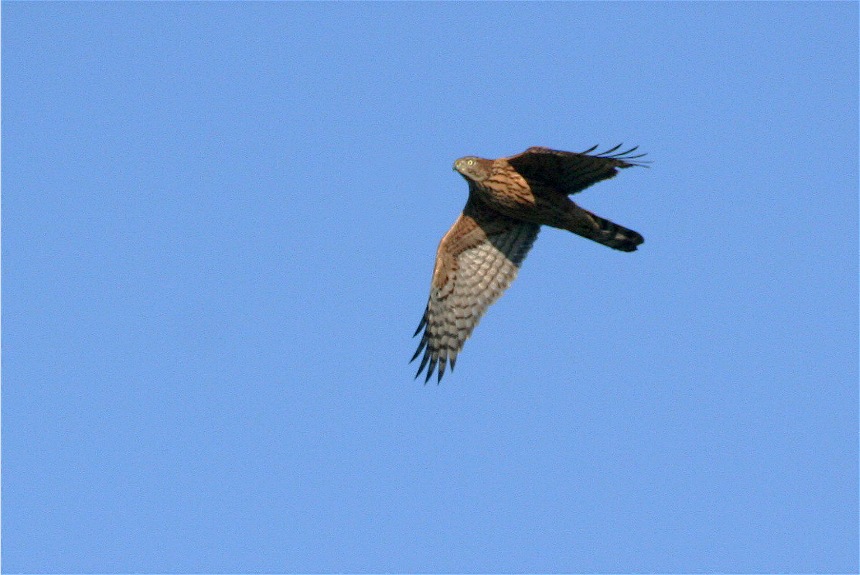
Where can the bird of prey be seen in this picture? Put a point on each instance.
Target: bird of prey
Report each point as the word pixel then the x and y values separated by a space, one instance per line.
pixel 509 200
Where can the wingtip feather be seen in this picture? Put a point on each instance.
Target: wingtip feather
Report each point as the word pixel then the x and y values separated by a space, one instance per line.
pixel 421 324
pixel 421 347
pixel 430 369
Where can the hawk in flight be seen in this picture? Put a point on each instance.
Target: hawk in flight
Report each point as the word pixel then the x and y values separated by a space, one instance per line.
pixel 509 200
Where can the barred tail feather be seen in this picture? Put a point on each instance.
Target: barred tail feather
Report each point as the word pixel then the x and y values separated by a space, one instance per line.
pixel 614 236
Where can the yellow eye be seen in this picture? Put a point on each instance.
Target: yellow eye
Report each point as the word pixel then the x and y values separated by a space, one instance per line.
pixel 470 162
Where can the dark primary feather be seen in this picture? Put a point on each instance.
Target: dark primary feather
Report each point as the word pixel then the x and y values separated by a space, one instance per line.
pixel 625 155
pixel 422 346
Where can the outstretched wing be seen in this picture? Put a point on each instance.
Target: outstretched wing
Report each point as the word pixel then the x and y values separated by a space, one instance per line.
pixel 476 261
pixel 572 172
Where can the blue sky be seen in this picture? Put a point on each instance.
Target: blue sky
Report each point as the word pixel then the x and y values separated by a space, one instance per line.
pixel 219 223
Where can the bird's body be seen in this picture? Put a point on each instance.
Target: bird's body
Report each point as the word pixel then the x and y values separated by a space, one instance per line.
pixel 509 199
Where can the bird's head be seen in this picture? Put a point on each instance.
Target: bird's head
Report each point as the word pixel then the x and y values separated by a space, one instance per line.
pixel 473 168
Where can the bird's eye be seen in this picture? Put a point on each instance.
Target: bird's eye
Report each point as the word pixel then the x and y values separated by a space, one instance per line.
pixel 471 162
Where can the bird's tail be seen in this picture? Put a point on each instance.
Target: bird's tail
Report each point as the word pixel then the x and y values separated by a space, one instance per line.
pixel 610 234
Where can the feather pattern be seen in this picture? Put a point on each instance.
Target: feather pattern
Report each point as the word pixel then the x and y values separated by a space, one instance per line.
pixel 476 261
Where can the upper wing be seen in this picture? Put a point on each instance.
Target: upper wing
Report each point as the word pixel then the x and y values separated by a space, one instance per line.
pixel 572 172
pixel 476 261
